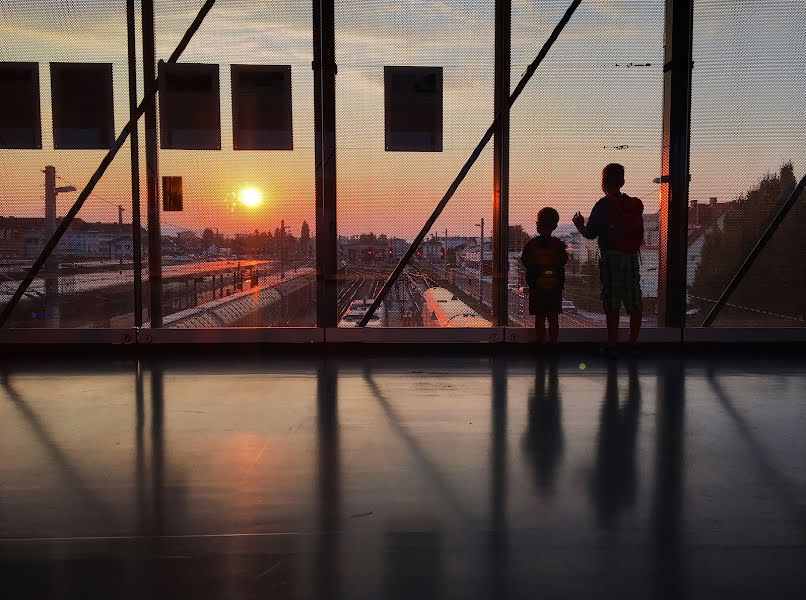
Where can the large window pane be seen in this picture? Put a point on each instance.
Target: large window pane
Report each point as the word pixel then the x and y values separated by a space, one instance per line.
pixel 385 197
pixel 748 149
pixel 88 281
pixel 596 99
pixel 241 252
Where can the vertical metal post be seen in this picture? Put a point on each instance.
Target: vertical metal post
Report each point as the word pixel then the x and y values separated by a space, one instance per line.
pixel 503 46
pixel 324 65
pixel 152 166
pixel 675 163
pixel 137 248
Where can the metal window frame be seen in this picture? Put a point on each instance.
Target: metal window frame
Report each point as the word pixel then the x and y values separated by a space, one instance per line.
pixel 675 156
pixel 674 206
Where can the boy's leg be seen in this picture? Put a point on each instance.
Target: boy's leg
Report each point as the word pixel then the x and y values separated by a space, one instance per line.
pixel 635 326
pixel 540 328
pixel 554 327
pixel 609 275
pixel 612 318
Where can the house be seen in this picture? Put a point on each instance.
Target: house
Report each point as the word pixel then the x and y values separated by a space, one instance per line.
pixel 25 237
pixel 469 257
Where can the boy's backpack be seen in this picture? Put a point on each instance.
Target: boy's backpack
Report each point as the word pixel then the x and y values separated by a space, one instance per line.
pixel 546 263
pixel 626 225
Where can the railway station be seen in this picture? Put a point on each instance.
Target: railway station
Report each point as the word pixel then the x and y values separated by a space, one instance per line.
pixel 362 299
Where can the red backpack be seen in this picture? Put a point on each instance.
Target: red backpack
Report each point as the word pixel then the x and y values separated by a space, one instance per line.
pixel 626 225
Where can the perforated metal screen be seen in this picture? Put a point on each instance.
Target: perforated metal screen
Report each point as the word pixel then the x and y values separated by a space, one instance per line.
pixel 88 283
pixel 241 252
pixel 748 150
pixel 596 99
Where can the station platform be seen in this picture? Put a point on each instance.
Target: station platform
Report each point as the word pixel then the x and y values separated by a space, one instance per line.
pixel 438 476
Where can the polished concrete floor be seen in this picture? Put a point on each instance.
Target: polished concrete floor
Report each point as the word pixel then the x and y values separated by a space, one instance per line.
pixel 397 477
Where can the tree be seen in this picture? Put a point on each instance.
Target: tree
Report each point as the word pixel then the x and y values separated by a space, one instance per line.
pixel 773 292
pixel 517 238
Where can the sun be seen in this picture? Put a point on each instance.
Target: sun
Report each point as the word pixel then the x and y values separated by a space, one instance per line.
pixel 250 197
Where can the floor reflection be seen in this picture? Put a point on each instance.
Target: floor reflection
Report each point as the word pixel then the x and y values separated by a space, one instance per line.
pixel 315 520
pixel 667 499
pixel 543 441
pixel 615 478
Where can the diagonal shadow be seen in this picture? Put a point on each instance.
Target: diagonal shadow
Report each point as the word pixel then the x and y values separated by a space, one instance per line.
pixel 420 456
pixel 783 487
pixel 59 456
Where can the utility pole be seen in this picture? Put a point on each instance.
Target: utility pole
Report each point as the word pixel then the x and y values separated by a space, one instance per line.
pixel 51 267
pixel 283 227
pixel 51 270
pixel 481 262
pixel 120 214
pixel 50 200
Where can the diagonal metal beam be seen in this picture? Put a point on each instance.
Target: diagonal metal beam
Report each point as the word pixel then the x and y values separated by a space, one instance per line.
pixel 99 172
pixel 469 164
pixel 751 258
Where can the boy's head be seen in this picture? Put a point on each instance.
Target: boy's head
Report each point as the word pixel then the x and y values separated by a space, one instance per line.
pixel 612 179
pixel 547 220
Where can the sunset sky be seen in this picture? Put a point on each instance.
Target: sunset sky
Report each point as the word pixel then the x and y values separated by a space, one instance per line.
pixel 749 112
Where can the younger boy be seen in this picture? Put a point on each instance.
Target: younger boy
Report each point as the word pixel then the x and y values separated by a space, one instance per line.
pixel 617 220
pixel 544 258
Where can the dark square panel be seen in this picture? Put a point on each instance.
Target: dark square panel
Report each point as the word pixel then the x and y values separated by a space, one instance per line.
pixel 413 102
pixel 20 116
pixel 261 107
pixel 190 107
pixel 83 108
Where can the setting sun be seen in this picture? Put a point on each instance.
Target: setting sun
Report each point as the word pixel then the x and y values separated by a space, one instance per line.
pixel 250 197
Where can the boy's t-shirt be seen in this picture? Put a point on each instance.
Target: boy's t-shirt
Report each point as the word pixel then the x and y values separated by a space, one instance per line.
pixel 544 258
pixel 598 225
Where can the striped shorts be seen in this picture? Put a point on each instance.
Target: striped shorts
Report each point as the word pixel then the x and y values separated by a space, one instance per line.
pixel 621 282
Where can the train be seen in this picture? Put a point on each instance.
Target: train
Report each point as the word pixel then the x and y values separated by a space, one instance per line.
pixel 357 309
pixel 265 306
pixel 441 308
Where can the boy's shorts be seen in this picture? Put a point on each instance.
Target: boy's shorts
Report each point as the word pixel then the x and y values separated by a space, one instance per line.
pixel 621 282
pixel 545 302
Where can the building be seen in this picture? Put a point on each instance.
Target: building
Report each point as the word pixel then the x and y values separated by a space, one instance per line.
pixel 24 238
pixel 702 218
pixel 469 257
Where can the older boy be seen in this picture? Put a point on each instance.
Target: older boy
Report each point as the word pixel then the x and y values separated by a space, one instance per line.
pixel 544 258
pixel 617 222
